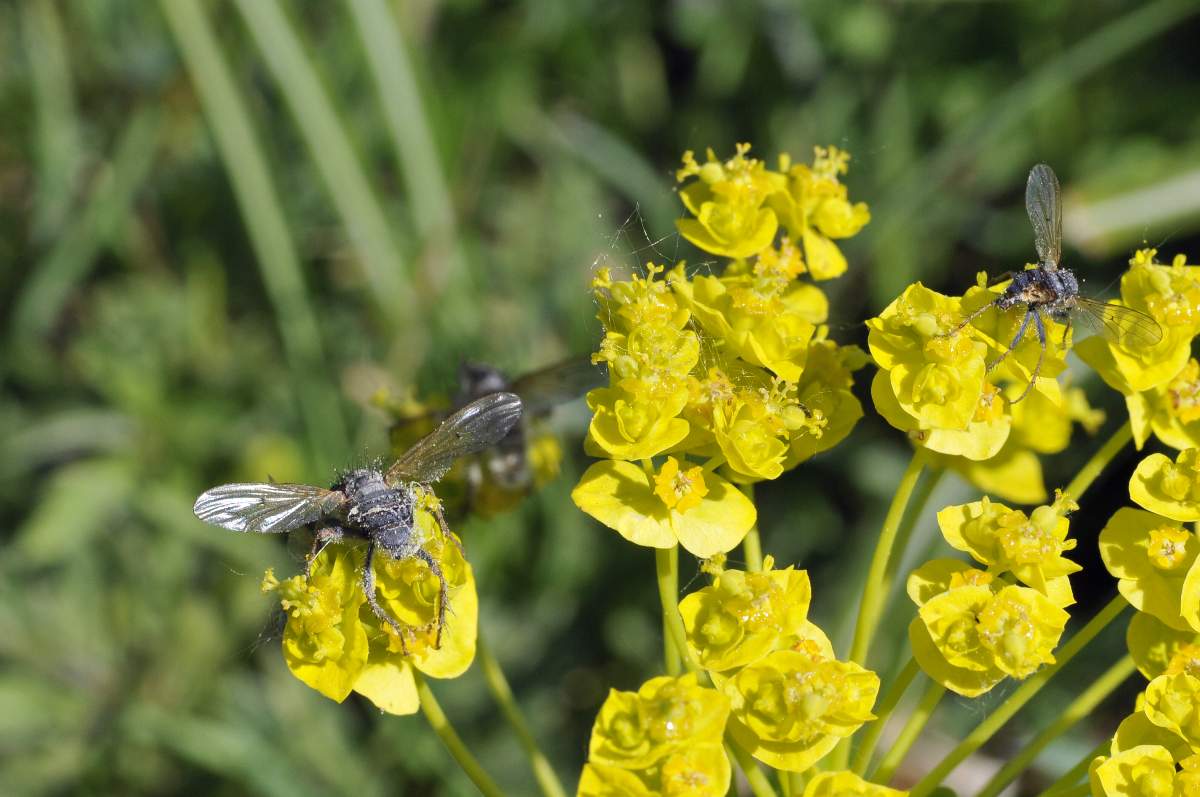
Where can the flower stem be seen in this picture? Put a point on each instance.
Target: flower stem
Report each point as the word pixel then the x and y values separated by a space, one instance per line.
pixel 1082 790
pixel 908 524
pixel 909 733
pixel 1099 461
pixel 862 757
pixel 986 729
pixel 543 773
pixel 755 776
pixel 666 565
pixel 873 596
pixel 454 745
pixel 1072 775
pixel 751 544
pixel 1081 707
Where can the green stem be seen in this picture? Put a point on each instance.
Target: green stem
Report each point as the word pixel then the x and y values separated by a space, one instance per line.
pixel 1072 775
pixel 1081 707
pixel 908 525
pixel 909 733
pixel 873 596
pixel 1099 461
pixel 543 773
pixel 666 565
pixel 986 729
pixel 751 545
pixel 862 757
pixel 785 783
pixel 454 745
pixel 874 592
pixel 754 776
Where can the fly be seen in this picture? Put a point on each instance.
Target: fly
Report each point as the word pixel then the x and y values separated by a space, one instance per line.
pixel 368 504
pixel 1054 291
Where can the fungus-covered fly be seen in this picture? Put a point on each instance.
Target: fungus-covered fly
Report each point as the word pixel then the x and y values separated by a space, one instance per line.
pixel 368 504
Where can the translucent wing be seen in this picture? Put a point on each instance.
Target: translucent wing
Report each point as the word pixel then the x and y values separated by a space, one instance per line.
pixel 1123 325
pixel 266 508
pixel 480 424
pixel 1044 205
pixel 543 389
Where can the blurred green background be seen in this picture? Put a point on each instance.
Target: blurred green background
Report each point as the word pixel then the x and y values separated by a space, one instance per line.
pixel 225 223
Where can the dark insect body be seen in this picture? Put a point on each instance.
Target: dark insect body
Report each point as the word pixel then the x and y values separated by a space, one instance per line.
pixel 368 504
pixel 1054 291
pixel 506 466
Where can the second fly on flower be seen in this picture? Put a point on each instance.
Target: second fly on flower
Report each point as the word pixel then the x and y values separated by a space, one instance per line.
pixel 1048 288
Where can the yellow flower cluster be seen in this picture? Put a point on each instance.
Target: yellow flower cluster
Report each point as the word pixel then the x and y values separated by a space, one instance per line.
pixel 792 700
pixel 1150 552
pixel 724 379
pixel 664 739
pixel 975 627
pixel 335 644
pixel 933 383
pixel 1155 749
pixel 1161 383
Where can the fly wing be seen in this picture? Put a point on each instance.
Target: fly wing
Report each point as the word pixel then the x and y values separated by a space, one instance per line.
pixel 1119 324
pixel 266 508
pixel 1044 205
pixel 543 389
pixel 482 423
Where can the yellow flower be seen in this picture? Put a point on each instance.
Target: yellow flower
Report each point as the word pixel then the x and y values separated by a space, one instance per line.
pixel 743 616
pixel 728 201
pixel 1157 648
pixel 665 716
pixel 1173 702
pixel 630 303
pixel 824 393
pixel 334 642
pixel 1170 411
pixel 791 707
pixel 931 384
pixel 1039 426
pixel 1154 561
pixel 814 209
pixel 1169 294
pixel 626 427
pixel 624 497
pixel 975 631
pixel 1007 540
pixel 1170 489
pixel 766 322
pixel 846 784
pixel 680 489
pixel 1137 730
pixel 325 642
pixel 1143 771
pixel 702 770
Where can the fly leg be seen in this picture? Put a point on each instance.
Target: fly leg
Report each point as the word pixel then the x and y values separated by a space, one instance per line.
pixel 968 320
pixel 443 592
pixel 323 536
pixel 368 585
pixel 1037 369
pixel 1016 339
pixel 445 527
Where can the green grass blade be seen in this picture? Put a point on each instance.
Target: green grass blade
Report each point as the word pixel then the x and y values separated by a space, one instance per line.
pixel 412 138
pixel 280 266
pixel 108 206
pixel 335 158
pixel 58 149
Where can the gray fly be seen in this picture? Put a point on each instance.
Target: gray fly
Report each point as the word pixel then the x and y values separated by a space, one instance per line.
pixel 1053 290
pixel 368 504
